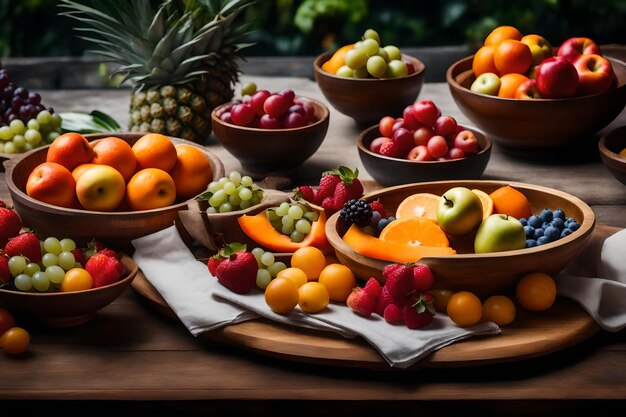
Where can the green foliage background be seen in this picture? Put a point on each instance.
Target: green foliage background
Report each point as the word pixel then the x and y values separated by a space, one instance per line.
pixel 308 27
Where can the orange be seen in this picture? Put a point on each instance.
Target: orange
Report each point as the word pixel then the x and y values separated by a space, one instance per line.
pixel 502 33
pixel 499 309
pixel 483 61
pixel 508 200
pixel 116 153
pixel 281 295
pixel 192 172
pixel 419 205
pixel 76 279
pixel 536 291
pixel 154 150
pixel 338 280
pixel 312 297
pixel 416 231
pixel 512 56
pixel 80 170
pixel 150 188
pixel 464 309
pixel 486 201
pixel 309 259
pixel 337 60
pixel 295 275
pixel 509 83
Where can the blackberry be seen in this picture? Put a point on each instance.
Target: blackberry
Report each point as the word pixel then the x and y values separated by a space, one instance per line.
pixel 356 212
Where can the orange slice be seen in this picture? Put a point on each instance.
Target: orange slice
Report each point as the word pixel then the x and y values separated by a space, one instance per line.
pixel 486 201
pixel 419 205
pixel 508 200
pixel 415 231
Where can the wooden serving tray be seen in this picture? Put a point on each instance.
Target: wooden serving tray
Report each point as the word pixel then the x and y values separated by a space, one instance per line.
pixel 531 335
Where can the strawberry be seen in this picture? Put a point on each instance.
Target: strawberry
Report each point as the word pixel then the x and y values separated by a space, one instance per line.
pixel 393 314
pixel 104 270
pixel 224 253
pixel 384 300
pixel 376 205
pixel 213 262
pixel 373 287
pixel 25 244
pixel 5 273
pixel 423 278
pixel 79 256
pixel 391 149
pixel 2 203
pixel 307 193
pixel 398 280
pixel 419 311
pixel 326 189
pixel 361 302
pixel 110 253
pixel 238 272
pixel 10 224
pixel 347 188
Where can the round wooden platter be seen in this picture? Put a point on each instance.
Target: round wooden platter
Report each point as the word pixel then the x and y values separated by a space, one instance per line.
pixel 531 335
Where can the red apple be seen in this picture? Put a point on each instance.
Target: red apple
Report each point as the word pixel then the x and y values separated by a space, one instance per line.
pixel 557 78
pixel 409 118
pixel 399 124
pixel 572 48
pixel 403 138
pixel 70 150
pixel 422 135
pixel 419 153
pixel 595 74
pixel 377 143
pixel 528 90
pixel 445 125
pixel 466 141
pixel 437 146
pixel 455 153
pixel 426 112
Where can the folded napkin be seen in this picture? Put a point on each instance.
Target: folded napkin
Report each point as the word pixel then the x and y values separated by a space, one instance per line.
pixel 604 296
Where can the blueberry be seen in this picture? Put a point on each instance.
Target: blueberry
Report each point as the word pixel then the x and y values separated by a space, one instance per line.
pixel 543 240
pixel 573 226
pixel 546 215
pixel 530 231
pixel 382 224
pixel 552 233
pixel 531 243
pixel 569 220
pixel 391 218
pixel 375 217
pixel 538 233
pixel 558 214
pixel 545 225
pixel 558 223
pixel 566 232
pixel 523 221
pixel 534 221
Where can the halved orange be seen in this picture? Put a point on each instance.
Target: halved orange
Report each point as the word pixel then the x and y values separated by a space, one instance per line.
pixel 415 231
pixel 486 201
pixel 419 205
pixel 508 200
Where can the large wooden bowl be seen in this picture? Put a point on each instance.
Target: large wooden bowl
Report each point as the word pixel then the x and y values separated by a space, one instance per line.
pixel 394 171
pixel 263 152
pixel 116 229
pixel 485 274
pixel 536 128
pixel 368 100
pixel 610 146
pixel 66 309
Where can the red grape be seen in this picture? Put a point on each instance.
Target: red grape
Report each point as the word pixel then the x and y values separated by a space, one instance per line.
pixel 293 120
pixel 276 105
pixel 242 114
pixel 269 122
pixel 257 101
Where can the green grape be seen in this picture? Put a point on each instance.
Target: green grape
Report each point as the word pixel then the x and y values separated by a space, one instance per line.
pixel 66 260
pixel 44 117
pixel 17 264
pixel 392 52
pixel 50 137
pixel 234 199
pixel 311 215
pixel 67 245
pixel 296 236
pixel 244 205
pixel 283 209
pixel 267 259
pixel 345 71
pixel 361 73
pixel 358 44
pixel 287 221
pixel 218 198
pixel 17 126
pixel 263 278
pixel 31 268
pixel 275 268
pixel 55 122
pixel 32 136
pixel 303 226
pixel 271 215
pixel 226 207
pixel 223 181
pixel 371 34
pixel 33 124
pixel 49 259
pixel 55 274
pixel 41 281
pixel 28 147
pixel 356 58
pixel 23 282
pixel 214 186
pixel 1 147
pixel 10 147
pixel 295 212
pixel 235 177
pixel 229 188
pixel 370 47
pixel 246 181
pixel 19 141
pixel 258 253
pixel 286 229
pixel 396 69
pixel 383 54
pixel 52 245
pixel 211 210
pixel 376 66
pixel 6 133
pixel 248 89
pixel 245 194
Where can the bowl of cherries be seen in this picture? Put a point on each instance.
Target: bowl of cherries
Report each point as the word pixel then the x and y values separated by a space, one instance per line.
pixel 270 132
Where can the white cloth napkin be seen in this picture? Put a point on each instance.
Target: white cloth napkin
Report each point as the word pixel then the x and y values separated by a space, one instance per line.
pixel 604 297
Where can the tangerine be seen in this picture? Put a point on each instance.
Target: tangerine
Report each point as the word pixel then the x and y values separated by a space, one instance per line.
pixel 483 61
pixel 154 150
pixel 281 295
pixel 419 205
pixel 338 280
pixel 499 309
pixel 509 83
pixel 486 201
pixel 508 200
pixel 415 231
pixel 464 309
pixel 309 259
pixel 295 275
pixel 536 291
pixel 512 56
pixel 192 172
pixel 150 188
pixel 312 297
pixel 502 33
pixel 117 153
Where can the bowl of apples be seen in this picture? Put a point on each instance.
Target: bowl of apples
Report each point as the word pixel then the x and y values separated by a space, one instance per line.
pixel 534 100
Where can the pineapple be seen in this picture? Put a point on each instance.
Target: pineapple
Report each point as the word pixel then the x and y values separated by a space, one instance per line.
pixel 180 57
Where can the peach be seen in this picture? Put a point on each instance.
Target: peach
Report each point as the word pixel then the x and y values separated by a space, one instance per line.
pixel 52 183
pixel 70 150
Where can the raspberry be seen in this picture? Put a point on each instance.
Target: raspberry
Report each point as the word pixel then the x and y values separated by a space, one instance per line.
pixel 376 205
pixel 373 287
pixel 356 212
pixel 393 314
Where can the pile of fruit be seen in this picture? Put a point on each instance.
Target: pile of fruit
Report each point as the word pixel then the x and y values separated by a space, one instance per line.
pixel 368 59
pixel 231 193
pixel 423 134
pixel 111 175
pixel 512 65
pixel 336 187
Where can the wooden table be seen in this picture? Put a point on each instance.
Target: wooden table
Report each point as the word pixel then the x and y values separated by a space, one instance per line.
pixel 131 358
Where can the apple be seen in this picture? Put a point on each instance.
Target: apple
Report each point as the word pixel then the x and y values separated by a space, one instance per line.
pixel 426 112
pixel 445 125
pixel 100 188
pixel 437 146
pixel 419 153
pixel 455 153
pixel 498 233
pixel 557 78
pixel 532 72
pixel 403 138
pixel 459 211
pixel 486 83
pixel 409 119
pixel 527 91
pixel 422 135
pixel 539 47
pixel 399 124
pixel 52 183
pixel 377 143
pixel 572 48
pixel 70 150
pixel 466 141
pixel 595 74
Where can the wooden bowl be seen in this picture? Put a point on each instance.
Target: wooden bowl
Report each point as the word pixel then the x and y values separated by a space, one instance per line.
pixel 65 309
pixel 541 127
pixel 488 273
pixel 368 100
pixel 116 229
pixel 610 146
pixel 393 171
pixel 263 152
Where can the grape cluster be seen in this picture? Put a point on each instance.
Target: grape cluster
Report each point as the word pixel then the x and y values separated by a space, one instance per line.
pixel 232 193
pixel 548 226
pixel 293 220
pixel 269 267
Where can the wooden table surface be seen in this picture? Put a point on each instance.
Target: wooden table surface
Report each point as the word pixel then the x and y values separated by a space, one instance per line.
pixel 130 355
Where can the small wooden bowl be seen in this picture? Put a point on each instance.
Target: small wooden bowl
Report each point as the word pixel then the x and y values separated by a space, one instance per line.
pixel 263 152
pixel 541 127
pixel 65 309
pixel 393 171
pixel 368 100
pixel 116 229
pixel 610 146
pixel 488 273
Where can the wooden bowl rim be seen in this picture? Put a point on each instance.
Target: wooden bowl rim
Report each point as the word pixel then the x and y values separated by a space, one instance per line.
pixel 586 225
pixel 454 84
pixel 419 70
pixel 317 103
pixel 362 148
pixel 609 153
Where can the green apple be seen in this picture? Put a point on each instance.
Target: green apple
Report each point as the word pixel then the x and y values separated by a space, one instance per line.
pixel 486 83
pixel 498 233
pixel 459 211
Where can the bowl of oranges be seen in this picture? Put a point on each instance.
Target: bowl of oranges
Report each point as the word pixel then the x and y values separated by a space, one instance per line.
pixel 534 99
pixel 113 188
